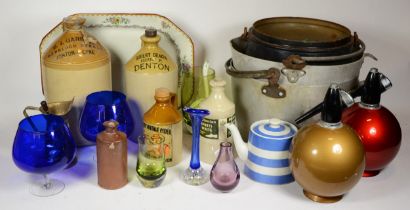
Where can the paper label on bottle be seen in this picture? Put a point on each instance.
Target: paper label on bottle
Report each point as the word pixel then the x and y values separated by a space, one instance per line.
pixel 210 128
pixel 231 119
pixel 215 129
pixel 152 62
pixel 154 134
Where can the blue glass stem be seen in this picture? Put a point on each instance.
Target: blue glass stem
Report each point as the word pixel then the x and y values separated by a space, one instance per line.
pixel 196 117
pixel 196 126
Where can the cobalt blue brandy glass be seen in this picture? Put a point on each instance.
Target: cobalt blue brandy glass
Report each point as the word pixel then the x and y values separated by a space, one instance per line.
pixel 43 144
pixel 103 106
pixel 195 174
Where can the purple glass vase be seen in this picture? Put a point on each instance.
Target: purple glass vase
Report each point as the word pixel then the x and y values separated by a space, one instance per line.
pixel 225 174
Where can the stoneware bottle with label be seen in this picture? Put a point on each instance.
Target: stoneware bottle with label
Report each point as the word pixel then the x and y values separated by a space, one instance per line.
pixel 150 68
pixel 75 65
pixel 213 131
pixel 163 122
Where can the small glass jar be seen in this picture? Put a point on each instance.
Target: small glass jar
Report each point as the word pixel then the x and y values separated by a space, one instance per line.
pixel 151 168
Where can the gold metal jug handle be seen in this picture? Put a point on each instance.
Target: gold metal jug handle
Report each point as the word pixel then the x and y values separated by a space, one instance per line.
pixel 56 108
pixel 31 108
pixel 41 109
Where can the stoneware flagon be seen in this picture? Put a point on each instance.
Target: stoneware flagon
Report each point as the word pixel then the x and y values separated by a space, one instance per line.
pixel 150 68
pixel 118 32
pixel 75 65
pixel 266 154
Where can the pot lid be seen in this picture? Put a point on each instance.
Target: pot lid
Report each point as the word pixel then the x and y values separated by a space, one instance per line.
pixel 274 129
pixel 319 42
pixel 302 31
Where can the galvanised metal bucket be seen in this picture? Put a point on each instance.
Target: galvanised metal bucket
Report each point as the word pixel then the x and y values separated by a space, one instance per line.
pixel 286 87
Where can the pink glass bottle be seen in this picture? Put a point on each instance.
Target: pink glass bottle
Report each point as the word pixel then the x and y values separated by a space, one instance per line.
pixel 225 174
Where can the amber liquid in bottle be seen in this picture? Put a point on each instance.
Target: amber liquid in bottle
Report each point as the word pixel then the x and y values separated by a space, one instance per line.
pixel 163 122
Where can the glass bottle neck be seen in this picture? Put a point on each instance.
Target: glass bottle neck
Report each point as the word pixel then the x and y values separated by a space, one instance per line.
pixel 225 153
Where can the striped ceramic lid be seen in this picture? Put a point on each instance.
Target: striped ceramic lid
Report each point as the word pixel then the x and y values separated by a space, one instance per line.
pixel 274 129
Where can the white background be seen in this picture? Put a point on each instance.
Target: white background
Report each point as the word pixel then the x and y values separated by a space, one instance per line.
pixel 383 25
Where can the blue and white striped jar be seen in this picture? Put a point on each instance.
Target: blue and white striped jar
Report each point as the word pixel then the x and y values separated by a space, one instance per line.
pixel 268 151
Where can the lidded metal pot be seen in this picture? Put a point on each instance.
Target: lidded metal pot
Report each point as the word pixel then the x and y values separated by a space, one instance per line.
pixel 282 66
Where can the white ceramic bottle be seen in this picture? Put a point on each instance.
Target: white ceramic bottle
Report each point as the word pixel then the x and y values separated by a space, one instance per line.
pixel 213 131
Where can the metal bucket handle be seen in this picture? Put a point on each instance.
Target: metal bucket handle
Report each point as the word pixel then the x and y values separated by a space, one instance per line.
pixel 272 90
pixel 294 64
pixel 293 70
